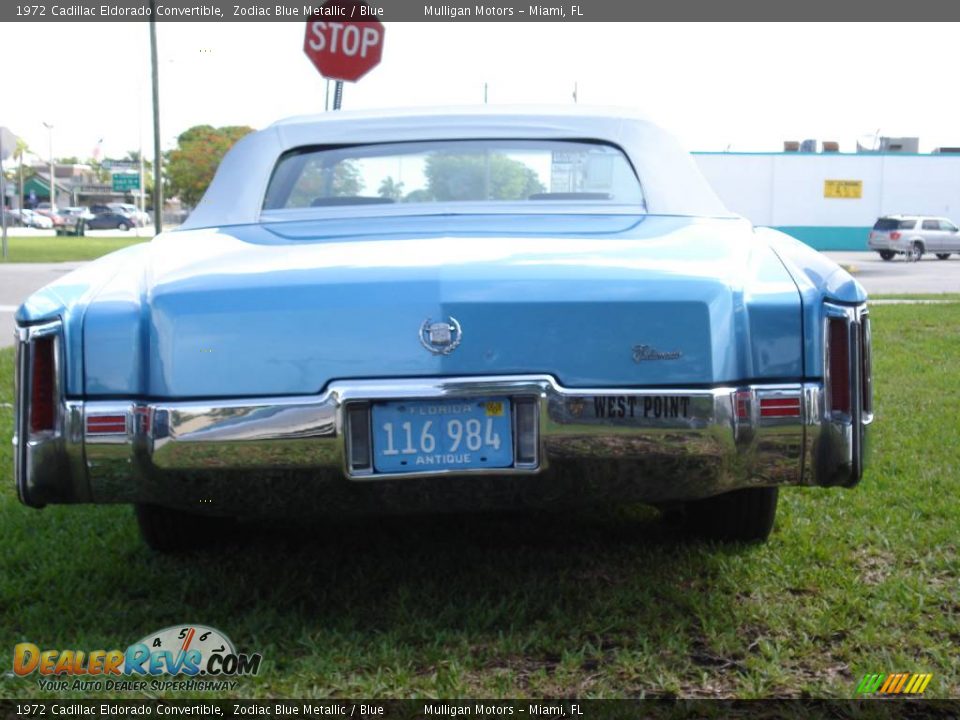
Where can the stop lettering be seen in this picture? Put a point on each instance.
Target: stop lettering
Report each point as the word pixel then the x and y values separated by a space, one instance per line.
pixel 341 48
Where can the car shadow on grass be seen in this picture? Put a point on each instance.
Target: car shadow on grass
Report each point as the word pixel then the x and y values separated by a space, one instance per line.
pixel 495 593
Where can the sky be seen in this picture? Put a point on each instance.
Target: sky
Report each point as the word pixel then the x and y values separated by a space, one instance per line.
pixel 718 86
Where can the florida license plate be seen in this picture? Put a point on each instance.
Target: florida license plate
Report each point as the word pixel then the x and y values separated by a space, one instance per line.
pixel 424 435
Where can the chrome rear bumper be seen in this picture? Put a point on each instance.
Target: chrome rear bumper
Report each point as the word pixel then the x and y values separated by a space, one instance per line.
pixel 275 456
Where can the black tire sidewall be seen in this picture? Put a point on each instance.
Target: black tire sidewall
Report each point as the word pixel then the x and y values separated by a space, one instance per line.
pixel 745 515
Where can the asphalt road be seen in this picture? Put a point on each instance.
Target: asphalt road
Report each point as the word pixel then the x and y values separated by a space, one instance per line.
pixel 899 276
pixel 929 275
pixel 17 281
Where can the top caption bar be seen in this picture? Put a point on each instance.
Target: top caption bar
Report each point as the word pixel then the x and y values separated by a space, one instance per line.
pixel 496 11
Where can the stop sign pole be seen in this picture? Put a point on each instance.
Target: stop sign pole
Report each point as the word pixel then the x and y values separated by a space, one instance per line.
pixel 344 41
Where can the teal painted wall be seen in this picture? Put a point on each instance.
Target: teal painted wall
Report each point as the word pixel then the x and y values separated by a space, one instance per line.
pixel 829 238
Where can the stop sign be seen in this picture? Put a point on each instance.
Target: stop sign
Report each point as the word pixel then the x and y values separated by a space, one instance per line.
pixel 341 45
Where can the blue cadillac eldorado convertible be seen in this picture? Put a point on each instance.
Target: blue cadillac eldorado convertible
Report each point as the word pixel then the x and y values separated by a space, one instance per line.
pixel 447 310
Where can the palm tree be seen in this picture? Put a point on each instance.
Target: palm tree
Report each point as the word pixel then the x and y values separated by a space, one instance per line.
pixel 390 189
pixel 18 152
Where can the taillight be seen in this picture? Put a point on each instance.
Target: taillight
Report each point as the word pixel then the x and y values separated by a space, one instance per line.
pixel 42 388
pixel 107 425
pixel 839 366
pixel 780 407
pixel 743 405
pixel 894 235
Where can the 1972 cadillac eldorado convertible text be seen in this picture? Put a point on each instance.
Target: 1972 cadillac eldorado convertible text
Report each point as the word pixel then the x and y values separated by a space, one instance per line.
pixel 447 310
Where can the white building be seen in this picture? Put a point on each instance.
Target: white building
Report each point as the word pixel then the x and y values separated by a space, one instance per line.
pixel 831 200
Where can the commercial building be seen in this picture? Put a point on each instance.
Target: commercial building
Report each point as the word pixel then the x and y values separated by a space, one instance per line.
pixel 830 200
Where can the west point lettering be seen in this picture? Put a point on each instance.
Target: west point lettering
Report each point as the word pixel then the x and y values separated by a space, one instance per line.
pixel 631 406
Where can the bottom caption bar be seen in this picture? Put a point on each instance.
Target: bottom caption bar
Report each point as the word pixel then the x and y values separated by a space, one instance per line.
pixel 430 709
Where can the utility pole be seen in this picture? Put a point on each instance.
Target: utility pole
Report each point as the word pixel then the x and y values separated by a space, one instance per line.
pixel 53 178
pixel 143 185
pixel 21 182
pixel 157 181
pixel 3 202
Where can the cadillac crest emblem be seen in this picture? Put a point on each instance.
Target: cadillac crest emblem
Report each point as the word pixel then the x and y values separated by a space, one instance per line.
pixel 440 338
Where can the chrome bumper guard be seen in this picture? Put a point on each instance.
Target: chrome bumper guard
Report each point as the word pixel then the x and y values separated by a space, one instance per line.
pixel 253 455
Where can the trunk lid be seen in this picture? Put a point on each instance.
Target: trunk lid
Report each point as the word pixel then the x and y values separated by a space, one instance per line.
pixel 600 301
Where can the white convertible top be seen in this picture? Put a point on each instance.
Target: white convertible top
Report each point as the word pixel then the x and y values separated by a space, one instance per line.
pixel 672 183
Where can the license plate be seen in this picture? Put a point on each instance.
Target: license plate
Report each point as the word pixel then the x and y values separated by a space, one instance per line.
pixel 424 435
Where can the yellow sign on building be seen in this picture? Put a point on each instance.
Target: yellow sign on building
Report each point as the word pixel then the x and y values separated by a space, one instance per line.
pixel 848 189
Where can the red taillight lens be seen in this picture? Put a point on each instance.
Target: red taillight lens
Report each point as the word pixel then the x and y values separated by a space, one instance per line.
pixel 743 405
pixel 42 401
pixel 839 339
pixel 780 407
pixel 894 235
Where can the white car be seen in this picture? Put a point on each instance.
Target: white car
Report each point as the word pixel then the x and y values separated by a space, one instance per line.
pixel 140 218
pixel 32 219
pixel 77 212
pixel 913 235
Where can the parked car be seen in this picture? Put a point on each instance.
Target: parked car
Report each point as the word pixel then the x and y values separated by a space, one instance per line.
pixel 141 219
pixel 110 220
pixel 914 235
pixel 554 308
pixel 31 219
pixel 77 211
pixel 45 210
pixel 72 213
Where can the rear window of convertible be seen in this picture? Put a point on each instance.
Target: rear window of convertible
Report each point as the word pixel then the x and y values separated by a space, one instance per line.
pixel 535 171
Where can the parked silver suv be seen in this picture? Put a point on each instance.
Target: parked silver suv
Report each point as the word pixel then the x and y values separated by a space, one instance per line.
pixel 913 235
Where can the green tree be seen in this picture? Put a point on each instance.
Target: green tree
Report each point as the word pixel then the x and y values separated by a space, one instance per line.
pixel 25 174
pixel 191 165
pixel 390 189
pixel 102 173
pixel 493 176
pixel 319 181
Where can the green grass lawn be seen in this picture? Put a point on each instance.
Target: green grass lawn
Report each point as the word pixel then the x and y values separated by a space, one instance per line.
pixel 64 249
pixel 588 604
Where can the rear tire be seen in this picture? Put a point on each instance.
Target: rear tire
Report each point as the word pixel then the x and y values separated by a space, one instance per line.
pixel 887 254
pixel 943 256
pixel 174 531
pixel 916 252
pixel 739 516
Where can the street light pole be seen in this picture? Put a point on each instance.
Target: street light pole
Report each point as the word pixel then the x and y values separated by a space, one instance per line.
pixel 157 160
pixel 53 179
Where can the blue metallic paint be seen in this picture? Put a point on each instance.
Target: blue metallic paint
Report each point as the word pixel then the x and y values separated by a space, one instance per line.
pixel 818 279
pixel 288 307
